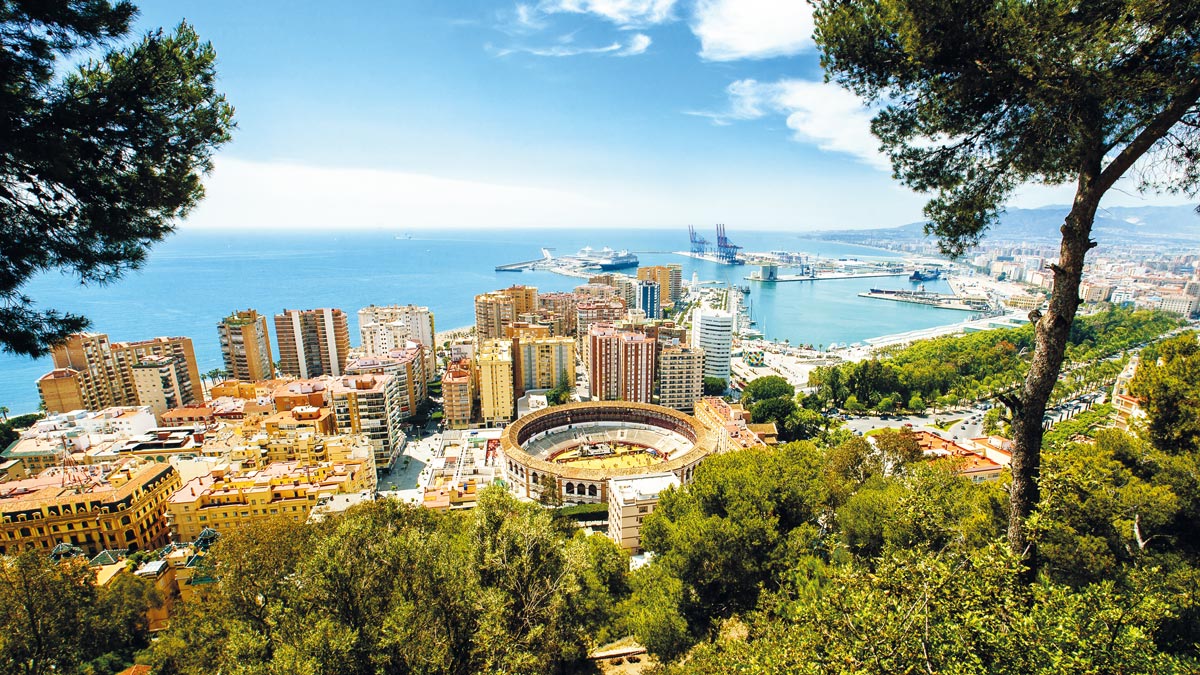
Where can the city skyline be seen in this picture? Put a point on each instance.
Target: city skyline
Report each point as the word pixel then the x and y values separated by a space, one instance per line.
pixel 559 113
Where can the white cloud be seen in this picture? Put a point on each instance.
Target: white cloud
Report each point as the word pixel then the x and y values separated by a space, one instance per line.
pixel 637 44
pixel 820 113
pixel 247 194
pixel 244 194
pixel 752 29
pixel 624 13
pixel 528 17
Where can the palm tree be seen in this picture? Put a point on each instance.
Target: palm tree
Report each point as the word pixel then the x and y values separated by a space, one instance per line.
pixel 4 412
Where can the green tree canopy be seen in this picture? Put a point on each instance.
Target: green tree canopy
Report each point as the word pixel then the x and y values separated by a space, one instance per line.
pixel 100 159
pixel 714 386
pixel 763 388
pixel 1168 383
pixel 976 98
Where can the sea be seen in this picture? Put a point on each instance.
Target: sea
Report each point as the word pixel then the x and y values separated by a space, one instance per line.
pixel 195 278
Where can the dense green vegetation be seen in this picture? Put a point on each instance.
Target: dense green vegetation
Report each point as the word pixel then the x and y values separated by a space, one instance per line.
pixel 715 386
pixel 53 618
pixel 561 393
pixel 396 588
pixel 948 371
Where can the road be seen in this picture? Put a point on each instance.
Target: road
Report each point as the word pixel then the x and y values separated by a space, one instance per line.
pixel 969 425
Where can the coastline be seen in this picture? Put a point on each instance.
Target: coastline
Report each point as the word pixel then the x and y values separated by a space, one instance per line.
pixel 442 337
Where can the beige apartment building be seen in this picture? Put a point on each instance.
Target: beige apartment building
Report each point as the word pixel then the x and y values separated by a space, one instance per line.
pixel 371 405
pixel 680 377
pixel 389 327
pixel 670 281
pixel 543 363
pixel 246 346
pixel 589 312
pixel 409 365
pixel 312 342
pixel 91 373
pixel 157 380
pixel 496 310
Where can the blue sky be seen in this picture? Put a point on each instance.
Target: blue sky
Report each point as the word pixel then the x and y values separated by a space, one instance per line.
pixel 542 113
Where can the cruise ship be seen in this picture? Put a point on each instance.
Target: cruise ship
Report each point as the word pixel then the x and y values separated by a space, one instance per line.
pixel 606 258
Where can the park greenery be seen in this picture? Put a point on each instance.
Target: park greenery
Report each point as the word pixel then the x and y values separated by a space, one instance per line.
pixel 950 371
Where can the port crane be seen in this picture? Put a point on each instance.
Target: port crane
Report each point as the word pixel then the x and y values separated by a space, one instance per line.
pixel 726 250
pixel 699 243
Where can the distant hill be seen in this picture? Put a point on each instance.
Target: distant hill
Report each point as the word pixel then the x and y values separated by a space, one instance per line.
pixel 1118 224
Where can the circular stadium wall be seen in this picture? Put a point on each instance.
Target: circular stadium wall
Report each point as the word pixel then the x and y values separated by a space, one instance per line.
pixel 568 452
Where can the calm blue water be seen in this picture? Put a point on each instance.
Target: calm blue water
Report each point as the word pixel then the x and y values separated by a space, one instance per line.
pixel 195 278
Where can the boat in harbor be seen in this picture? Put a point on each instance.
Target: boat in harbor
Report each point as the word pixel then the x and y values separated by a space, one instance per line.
pixel 926 275
pixel 606 258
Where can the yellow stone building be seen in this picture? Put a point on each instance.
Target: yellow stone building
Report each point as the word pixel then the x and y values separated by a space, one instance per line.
pixel 543 363
pixel 494 366
pixel 225 499
pixel 120 505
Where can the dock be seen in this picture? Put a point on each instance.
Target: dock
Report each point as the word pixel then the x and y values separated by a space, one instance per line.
pixel 824 276
pixel 519 266
pixel 923 298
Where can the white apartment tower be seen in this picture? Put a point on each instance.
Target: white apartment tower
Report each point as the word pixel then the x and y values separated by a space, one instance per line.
pixel 712 331
pixel 386 328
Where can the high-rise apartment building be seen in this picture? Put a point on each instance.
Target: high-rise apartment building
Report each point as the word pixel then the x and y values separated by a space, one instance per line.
pixel 370 405
pixel 494 367
pixel 246 346
pixel 312 342
pixel 496 310
pixel 493 311
pixel 712 331
pixel 669 278
pixel 543 363
pixel 157 381
pixel 408 365
pixel 627 289
pixel 91 373
pixel 680 377
pixel 384 328
pixel 589 312
pixel 620 364
pixel 560 309
pixel 458 394
pixel 648 299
